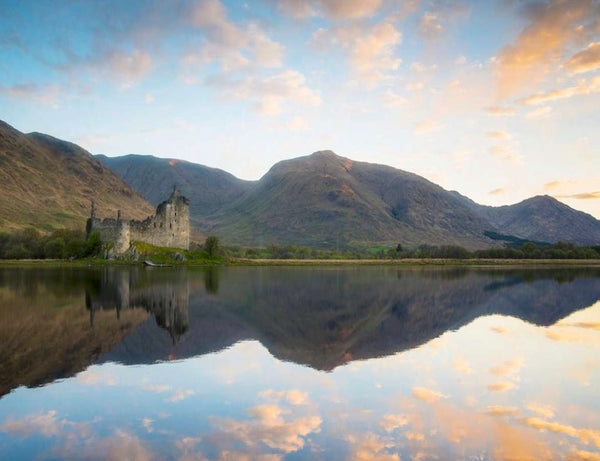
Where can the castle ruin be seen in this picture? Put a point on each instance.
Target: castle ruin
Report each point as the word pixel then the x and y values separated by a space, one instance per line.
pixel 169 227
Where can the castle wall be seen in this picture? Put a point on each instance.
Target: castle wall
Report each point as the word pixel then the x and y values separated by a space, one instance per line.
pixel 169 227
pixel 113 231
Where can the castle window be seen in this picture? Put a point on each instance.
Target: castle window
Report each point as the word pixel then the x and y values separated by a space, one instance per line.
pixel 170 225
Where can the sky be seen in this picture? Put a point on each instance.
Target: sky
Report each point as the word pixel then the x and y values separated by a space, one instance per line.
pixel 498 100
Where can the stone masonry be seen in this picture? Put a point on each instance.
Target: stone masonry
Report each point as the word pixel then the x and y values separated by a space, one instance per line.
pixel 169 227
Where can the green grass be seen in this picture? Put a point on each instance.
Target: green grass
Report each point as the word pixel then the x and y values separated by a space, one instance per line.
pixel 171 256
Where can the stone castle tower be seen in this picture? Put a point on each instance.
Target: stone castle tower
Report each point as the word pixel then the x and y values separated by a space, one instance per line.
pixel 169 227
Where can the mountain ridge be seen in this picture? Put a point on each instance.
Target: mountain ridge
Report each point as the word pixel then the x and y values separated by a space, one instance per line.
pixel 48 183
pixel 320 200
pixel 326 200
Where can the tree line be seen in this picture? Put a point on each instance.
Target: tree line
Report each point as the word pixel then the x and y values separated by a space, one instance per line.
pixel 72 244
pixel 528 250
pixel 60 244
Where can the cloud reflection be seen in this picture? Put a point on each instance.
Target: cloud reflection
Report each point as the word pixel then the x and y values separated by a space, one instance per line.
pixel 427 395
pixel 268 427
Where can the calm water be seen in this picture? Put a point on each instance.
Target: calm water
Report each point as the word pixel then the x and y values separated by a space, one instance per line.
pixel 363 363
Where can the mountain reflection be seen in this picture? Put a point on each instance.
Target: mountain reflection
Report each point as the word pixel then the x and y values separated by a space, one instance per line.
pixel 326 317
pixel 59 321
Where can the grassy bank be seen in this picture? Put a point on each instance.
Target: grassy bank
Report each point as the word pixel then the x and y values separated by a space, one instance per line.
pixel 414 262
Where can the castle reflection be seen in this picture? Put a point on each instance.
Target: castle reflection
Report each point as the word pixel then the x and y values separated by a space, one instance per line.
pixel 166 298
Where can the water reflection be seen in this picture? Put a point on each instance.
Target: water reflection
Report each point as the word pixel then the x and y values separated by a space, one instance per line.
pixel 325 318
pixel 466 364
pixel 166 298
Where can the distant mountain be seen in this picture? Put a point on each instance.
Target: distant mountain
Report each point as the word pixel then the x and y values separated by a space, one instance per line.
pixel 209 189
pixel 540 218
pixel 545 218
pixel 48 183
pixel 324 200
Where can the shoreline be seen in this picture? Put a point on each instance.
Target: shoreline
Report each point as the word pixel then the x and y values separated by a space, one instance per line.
pixel 318 262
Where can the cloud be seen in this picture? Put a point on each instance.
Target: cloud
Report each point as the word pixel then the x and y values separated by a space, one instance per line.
pixel 542 410
pixel 499 329
pixel 430 25
pixel 497 410
pixel 232 46
pixel 120 445
pixel 414 86
pixel 552 27
pixel 127 67
pixel 147 423
pixel 462 366
pixel 269 427
pixel 270 95
pixel 585 435
pixel 158 388
pixel 293 396
pixel 507 153
pixel 583 87
pixel 498 135
pixel 552 185
pixel 370 48
pixel 540 112
pixel 583 195
pixel 46 424
pixel 370 446
pixel 391 99
pixel 427 395
pixel 180 395
pixel 297 124
pixel 500 111
pixel 47 95
pixel 439 16
pixel 564 189
pixel 498 191
pixel 501 386
pixel 426 126
pixel 508 368
pixel 586 60
pixel 582 455
pixel 392 422
pixel 335 9
pixel 94 378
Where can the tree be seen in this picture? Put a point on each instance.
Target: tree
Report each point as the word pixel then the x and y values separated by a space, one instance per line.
pixel 93 244
pixel 212 246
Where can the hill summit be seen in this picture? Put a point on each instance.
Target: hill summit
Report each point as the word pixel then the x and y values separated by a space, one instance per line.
pixel 48 183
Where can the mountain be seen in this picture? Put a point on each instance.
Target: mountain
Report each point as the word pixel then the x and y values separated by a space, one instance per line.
pixel 208 189
pixel 545 218
pixel 324 200
pixel 48 183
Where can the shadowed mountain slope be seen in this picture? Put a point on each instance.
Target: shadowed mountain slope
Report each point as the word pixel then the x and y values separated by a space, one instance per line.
pixel 540 218
pixel 49 183
pixel 545 218
pixel 208 189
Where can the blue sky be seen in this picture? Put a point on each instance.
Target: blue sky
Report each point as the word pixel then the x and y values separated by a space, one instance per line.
pixel 496 99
